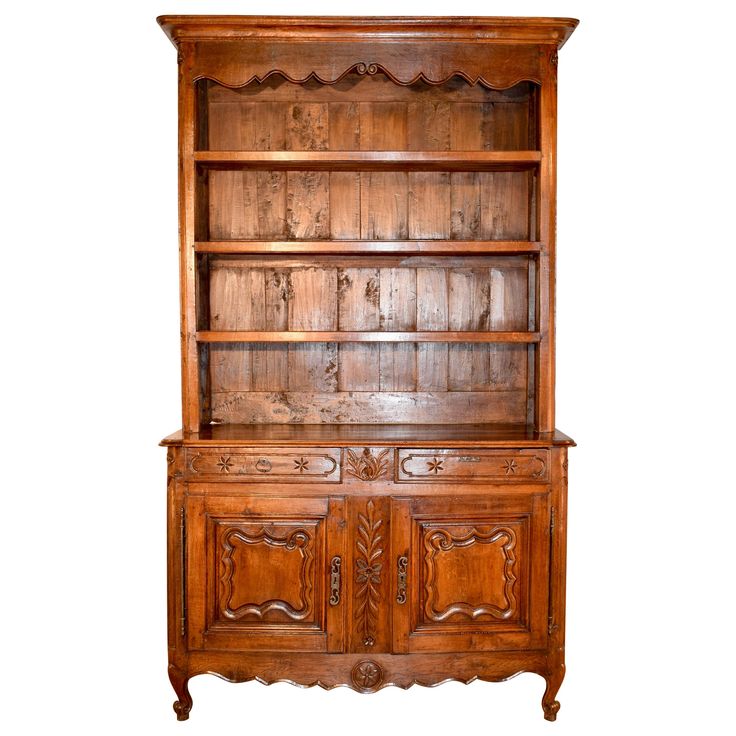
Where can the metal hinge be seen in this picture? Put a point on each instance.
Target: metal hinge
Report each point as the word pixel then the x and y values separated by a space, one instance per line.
pixel 551 625
pixel 183 570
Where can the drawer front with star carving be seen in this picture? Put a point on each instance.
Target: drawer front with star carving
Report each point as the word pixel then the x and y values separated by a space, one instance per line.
pixel 265 465
pixel 468 466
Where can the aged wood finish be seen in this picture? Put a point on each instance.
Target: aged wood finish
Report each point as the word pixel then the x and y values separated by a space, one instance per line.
pixel 368 488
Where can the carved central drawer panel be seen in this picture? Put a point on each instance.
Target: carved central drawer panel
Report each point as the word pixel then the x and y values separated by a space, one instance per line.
pixel 264 465
pixel 468 466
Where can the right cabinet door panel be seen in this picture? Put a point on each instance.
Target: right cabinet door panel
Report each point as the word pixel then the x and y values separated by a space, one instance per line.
pixel 470 573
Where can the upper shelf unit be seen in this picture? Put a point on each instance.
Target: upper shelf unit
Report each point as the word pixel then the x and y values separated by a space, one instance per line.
pixel 366 159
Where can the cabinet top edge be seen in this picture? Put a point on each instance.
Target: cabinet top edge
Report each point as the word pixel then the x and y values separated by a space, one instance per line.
pixel 254 27
pixel 398 435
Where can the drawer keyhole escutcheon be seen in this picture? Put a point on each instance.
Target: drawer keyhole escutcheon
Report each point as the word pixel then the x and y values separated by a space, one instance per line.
pixel 335 565
pixel 402 563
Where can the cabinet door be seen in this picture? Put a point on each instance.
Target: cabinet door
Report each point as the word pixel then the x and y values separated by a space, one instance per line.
pixel 265 573
pixel 470 573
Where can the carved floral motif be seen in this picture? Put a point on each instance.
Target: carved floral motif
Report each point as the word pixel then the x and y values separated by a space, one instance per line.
pixel 367 675
pixel 301 464
pixel 224 463
pixel 365 466
pixel 510 466
pixel 368 574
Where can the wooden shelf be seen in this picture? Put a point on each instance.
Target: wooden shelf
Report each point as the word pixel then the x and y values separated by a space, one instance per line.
pixel 372 160
pixel 463 337
pixel 352 435
pixel 367 247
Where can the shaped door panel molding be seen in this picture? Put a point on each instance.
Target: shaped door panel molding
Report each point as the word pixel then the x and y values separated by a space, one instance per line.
pixel 274 567
pixel 259 573
pixel 476 565
pixel 477 572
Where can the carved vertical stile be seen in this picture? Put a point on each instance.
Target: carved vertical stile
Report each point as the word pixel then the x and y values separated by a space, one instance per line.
pixel 556 632
pixel 368 574
pixel 177 539
pixel 338 588
pixel 404 572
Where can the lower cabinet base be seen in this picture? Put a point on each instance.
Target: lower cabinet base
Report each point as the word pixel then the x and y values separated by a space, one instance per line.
pixel 364 673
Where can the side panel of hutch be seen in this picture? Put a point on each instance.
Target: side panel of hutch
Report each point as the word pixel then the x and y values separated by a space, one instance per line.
pixel 368 488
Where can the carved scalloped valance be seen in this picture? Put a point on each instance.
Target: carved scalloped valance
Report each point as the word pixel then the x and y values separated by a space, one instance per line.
pixel 497 66
pixel 495 52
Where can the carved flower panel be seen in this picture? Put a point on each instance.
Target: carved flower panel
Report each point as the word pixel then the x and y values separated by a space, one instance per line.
pixel 265 465
pixel 468 466
pixel 367 463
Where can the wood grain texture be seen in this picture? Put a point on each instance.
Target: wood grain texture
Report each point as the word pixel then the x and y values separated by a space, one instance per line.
pixel 432 360
pixel 314 405
pixel 358 309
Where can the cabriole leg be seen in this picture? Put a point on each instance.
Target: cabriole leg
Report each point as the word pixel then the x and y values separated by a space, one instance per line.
pixel 179 681
pixel 554 681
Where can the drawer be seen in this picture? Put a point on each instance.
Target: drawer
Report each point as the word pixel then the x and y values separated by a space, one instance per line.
pixel 265 464
pixel 468 466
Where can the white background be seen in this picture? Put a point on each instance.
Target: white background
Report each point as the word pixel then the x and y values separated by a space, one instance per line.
pixel 90 381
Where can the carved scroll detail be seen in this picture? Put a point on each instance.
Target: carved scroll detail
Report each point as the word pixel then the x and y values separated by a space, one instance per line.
pixel 368 574
pixel 365 466
pixel 440 540
pixel 369 69
pixel 297 540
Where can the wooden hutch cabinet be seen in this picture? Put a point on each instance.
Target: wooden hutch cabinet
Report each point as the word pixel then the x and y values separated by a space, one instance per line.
pixel 368 488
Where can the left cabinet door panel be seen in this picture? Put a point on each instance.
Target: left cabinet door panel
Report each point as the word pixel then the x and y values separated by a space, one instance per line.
pixel 260 573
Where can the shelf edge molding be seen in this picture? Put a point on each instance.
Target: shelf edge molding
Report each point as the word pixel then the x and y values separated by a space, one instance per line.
pixel 369 247
pixel 210 336
pixel 372 160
